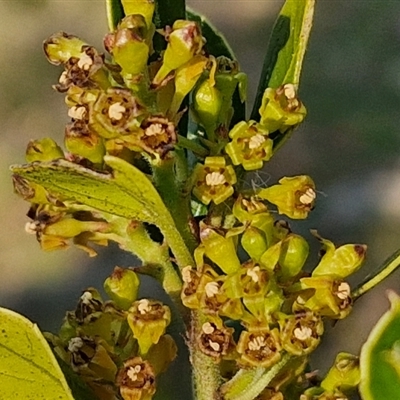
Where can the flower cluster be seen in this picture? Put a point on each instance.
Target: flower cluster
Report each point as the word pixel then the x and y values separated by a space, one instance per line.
pixel 279 307
pixel 117 346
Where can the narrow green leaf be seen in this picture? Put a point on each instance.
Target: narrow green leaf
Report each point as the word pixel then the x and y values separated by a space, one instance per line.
pixel 380 356
pixel 126 192
pixel 286 48
pixel 28 368
pixel 115 13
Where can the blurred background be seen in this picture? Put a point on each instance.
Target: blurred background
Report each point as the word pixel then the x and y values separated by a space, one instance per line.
pixel 349 144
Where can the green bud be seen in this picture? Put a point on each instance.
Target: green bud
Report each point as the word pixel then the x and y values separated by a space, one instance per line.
pixel 219 249
pixel 80 141
pixel 122 286
pixel 281 109
pixel 339 262
pixel 184 42
pixel 45 149
pixel 207 103
pixel 60 47
pixel 214 180
pixel 148 320
pixel 70 227
pixel 143 8
pixel 269 259
pixel 32 192
pixel 294 196
pixel 294 253
pixel 259 348
pixel 250 145
pixel 343 375
pixel 128 44
pixel 254 242
pixel 136 380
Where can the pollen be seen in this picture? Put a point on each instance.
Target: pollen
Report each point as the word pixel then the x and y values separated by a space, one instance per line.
pixel 75 344
pixel 154 129
pixel 214 345
pixel 257 343
pixel 85 62
pixel 133 372
pixel 207 328
pixel 31 228
pixel 256 141
pixel 116 111
pixel 86 297
pixel 77 112
pixel 63 78
pixel 302 333
pixel 343 291
pixel 144 306
pixel 308 197
pixel 254 273
pixel 215 179
pixel 211 289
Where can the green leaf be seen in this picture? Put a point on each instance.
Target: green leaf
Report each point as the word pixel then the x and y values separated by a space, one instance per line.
pixel 380 356
pixel 126 192
pixel 28 368
pixel 286 48
pixel 115 13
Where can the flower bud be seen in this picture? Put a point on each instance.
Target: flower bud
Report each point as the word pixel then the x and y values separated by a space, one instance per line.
pixel 148 320
pixel 122 286
pixel 45 149
pixel 207 103
pixel 128 44
pixel 294 253
pixel 143 8
pixel 254 242
pixel 250 145
pixel 294 196
pixel 343 375
pixel 60 47
pixel 339 262
pixel 184 42
pixel 281 109
pixel 219 249
pixel 136 380
pixel 214 180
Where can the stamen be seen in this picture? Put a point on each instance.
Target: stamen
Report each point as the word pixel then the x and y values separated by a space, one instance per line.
pixel 254 273
pixel 31 228
pixel 207 328
pixel 86 298
pixel 257 343
pixel 144 306
pixel 133 372
pixel 186 275
pixel 343 291
pixel 85 62
pixel 214 345
pixel 154 129
pixel 116 111
pixel 211 289
pixel 302 333
pixel 308 197
pixel 215 179
pixel 75 344
pixel 256 141
pixel 77 112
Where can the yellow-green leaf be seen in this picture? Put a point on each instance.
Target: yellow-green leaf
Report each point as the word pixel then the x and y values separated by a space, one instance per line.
pixel 380 356
pixel 28 368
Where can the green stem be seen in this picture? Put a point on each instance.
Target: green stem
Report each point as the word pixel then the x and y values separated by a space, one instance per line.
pixel 247 384
pixel 193 146
pixel 169 181
pixel 206 374
pixel 388 267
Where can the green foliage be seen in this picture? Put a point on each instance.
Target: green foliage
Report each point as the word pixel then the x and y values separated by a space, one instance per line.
pixel 28 368
pixel 158 148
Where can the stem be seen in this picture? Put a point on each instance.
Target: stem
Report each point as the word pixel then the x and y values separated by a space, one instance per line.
pixel 388 267
pixel 206 374
pixel 165 176
pixel 247 384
